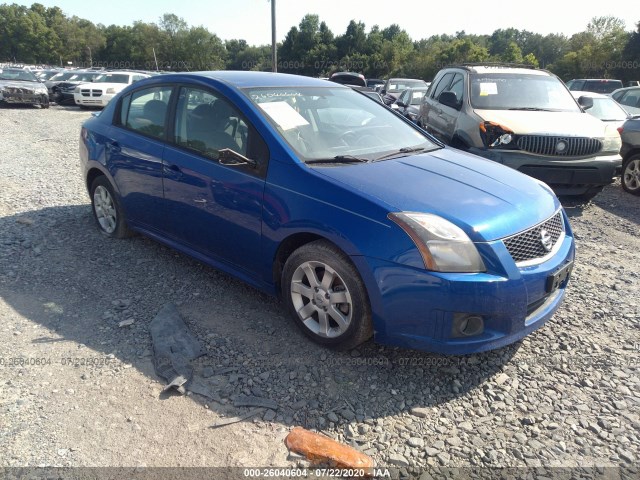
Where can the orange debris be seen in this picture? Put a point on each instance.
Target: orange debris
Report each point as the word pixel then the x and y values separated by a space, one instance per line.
pixel 320 449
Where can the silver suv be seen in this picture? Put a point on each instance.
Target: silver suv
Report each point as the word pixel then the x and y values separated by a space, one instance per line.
pixel 527 119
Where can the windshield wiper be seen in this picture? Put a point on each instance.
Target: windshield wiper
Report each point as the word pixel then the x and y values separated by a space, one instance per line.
pixel 400 151
pixel 339 159
pixel 533 109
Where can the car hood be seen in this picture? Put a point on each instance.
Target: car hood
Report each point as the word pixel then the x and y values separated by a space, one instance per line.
pixel 570 124
pixel 487 200
pixel 34 86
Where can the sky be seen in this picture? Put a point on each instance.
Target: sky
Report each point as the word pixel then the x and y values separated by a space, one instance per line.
pixel 251 19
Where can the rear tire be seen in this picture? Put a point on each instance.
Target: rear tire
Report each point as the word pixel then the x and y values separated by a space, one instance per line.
pixel 107 210
pixel 326 296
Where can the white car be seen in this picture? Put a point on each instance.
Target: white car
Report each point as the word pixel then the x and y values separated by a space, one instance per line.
pixel 628 98
pixel 100 92
pixel 604 107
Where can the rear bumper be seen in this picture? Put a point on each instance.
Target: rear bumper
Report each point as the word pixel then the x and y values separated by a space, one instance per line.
pixel 418 309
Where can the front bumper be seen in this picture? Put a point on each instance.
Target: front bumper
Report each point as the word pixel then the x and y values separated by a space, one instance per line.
pixel 417 309
pixel 24 97
pixel 564 175
pixel 100 101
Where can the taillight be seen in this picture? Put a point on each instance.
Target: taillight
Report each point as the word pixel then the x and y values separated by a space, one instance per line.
pixel 620 130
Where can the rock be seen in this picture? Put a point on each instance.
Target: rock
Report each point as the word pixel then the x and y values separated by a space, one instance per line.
pixel 398 460
pixel 126 323
pixel 332 417
pixel 454 441
pixel 501 378
pixel 431 452
pixel 208 372
pixel 626 456
pixel 348 415
pixel 416 442
pixel 269 415
pixel 420 412
pixel 444 458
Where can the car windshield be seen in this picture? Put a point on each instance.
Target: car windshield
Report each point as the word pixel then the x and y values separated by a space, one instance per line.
pixel 82 77
pixel 18 75
pixel 335 123
pixel 62 76
pixel 607 109
pixel 416 98
pixel 400 85
pixel 112 78
pixel 495 91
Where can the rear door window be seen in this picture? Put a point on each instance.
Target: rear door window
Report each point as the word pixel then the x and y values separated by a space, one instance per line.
pixel 442 84
pixel 145 111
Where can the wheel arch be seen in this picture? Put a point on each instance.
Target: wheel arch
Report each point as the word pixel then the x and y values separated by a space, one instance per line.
pixel 287 246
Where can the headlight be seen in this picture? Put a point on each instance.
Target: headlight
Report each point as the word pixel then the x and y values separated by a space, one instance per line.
pixel 612 141
pixel 495 135
pixel 111 90
pixel 443 246
pixel 77 90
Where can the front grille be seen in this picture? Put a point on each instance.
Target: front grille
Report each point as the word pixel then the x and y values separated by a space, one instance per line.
pixel 526 246
pixel 86 92
pixel 559 146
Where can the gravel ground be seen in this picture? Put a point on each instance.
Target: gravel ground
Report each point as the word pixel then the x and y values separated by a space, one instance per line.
pixel 77 389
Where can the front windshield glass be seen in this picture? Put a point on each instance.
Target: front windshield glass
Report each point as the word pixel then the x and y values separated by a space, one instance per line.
pixel 112 78
pixel 18 75
pixel 324 123
pixel 62 76
pixel 504 91
pixel 401 85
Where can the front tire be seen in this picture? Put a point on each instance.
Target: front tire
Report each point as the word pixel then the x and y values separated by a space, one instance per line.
pixel 326 296
pixel 107 210
pixel 630 178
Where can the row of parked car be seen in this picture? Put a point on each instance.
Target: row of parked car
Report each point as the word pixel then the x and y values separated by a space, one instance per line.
pixel 85 88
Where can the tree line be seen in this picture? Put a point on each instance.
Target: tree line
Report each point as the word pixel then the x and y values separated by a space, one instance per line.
pixel 41 35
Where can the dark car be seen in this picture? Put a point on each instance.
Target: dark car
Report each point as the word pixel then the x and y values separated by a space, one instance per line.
pixel 363 223
pixel 63 91
pixel 630 134
pixel 408 103
pixel 369 93
pixel 373 82
pixel 393 87
pixel 597 85
pixel 349 78
pixel 18 86
pixel 58 78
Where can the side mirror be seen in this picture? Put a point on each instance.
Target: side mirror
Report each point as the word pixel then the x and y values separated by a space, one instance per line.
pixel 449 99
pixel 585 102
pixel 401 104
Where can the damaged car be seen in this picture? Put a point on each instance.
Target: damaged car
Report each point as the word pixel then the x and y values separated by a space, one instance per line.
pixel 18 86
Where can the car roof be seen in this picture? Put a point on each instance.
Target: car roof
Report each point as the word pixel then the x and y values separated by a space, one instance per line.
pixel 625 89
pixel 580 93
pixel 244 79
pixel 504 69
pixel 595 80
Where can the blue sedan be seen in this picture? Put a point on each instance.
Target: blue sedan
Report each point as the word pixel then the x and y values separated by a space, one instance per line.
pixel 360 221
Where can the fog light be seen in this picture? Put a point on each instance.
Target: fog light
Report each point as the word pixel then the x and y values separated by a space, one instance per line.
pixel 465 325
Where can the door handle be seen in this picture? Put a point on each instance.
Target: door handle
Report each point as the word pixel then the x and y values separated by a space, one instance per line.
pixel 114 147
pixel 200 200
pixel 173 170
